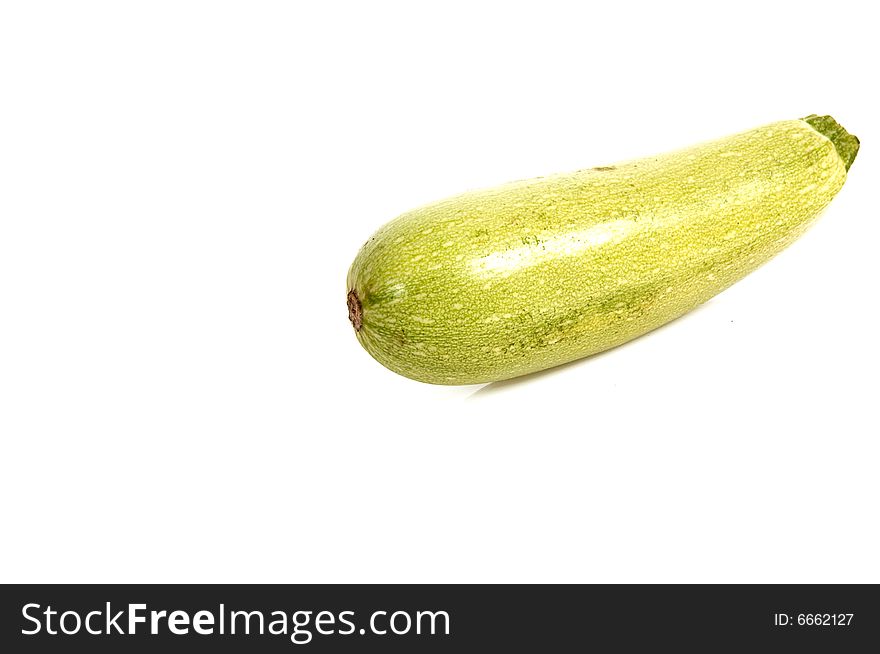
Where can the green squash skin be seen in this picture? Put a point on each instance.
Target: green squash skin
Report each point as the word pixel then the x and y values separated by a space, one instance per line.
pixel 502 282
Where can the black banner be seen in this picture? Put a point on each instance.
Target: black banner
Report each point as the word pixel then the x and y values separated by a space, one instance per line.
pixel 438 618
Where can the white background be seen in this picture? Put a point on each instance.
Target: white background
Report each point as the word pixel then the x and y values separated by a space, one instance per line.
pixel 183 186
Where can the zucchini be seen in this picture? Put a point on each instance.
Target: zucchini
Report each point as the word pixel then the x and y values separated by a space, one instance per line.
pixel 502 282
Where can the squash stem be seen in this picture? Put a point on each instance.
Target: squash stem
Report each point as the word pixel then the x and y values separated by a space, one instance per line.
pixel 846 144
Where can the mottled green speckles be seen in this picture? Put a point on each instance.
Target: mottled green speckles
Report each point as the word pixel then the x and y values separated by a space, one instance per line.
pixel 502 282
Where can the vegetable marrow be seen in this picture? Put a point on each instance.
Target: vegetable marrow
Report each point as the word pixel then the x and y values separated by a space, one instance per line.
pixel 502 282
